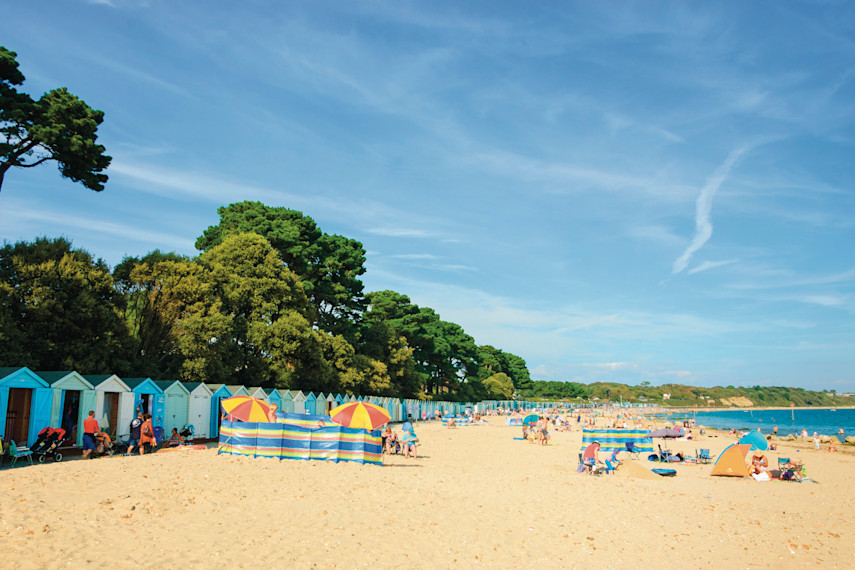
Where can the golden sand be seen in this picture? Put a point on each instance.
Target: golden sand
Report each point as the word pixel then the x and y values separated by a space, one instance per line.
pixel 475 497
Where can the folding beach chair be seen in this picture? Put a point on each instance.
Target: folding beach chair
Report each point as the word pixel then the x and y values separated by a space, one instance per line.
pixel 704 456
pixel 633 451
pixel 19 452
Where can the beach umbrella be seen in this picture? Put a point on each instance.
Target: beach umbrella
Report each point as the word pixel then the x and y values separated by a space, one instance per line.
pixel 530 419
pixel 756 440
pixel 246 408
pixel 360 415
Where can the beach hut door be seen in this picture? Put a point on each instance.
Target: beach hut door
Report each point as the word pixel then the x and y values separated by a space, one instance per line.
pixel 70 412
pixel 18 414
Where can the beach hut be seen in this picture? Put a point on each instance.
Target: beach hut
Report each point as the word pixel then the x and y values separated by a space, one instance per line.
pixel 257 392
pixel 114 403
pixel 25 402
pixel 199 408
pixel 274 397
pixel 299 402
pixel 310 405
pixel 72 399
pixel 218 392
pixel 148 398
pixel 237 390
pixel 339 400
pixel 350 398
pixel 331 403
pixel 287 404
pixel 175 409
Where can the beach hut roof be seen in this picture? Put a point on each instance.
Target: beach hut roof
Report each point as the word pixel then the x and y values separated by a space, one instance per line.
pixel 171 385
pixel 193 386
pixel 21 376
pixel 237 388
pixel 134 383
pixel 65 378
pixel 101 381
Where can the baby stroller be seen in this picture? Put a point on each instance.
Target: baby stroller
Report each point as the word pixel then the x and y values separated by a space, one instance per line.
pixel 103 446
pixel 47 444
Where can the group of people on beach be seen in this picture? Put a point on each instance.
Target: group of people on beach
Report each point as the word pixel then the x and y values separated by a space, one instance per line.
pixel 406 445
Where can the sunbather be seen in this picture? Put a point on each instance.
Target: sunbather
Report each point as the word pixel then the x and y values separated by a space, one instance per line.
pixel 174 440
pixel 759 464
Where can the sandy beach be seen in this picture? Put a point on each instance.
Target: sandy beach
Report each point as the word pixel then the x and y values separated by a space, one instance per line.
pixel 475 497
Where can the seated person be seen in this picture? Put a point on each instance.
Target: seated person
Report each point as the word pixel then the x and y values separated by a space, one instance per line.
pixel 174 440
pixel 589 456
pixel 408 444
pixel 759 464
pixel 452 423
pixel 390 440
pixel 271 413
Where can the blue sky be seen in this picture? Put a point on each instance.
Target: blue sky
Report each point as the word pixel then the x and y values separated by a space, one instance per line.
pixel 613 191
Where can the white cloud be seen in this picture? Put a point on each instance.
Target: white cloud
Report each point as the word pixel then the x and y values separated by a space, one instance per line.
pixel 707 265
pixel 703 208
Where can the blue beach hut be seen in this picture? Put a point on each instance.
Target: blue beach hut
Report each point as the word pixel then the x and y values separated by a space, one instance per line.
pixel 25 401
pixel 175 409
pixel 72 398
pixel 339 400
pixel 311 404
pixel 218 392
pixel 148 398
pixel 274 397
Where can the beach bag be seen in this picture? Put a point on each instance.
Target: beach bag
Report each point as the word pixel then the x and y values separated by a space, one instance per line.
pixel 148 432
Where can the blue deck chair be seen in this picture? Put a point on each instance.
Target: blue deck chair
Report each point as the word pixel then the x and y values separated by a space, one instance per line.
pixel 633 451
pixel 19 452
pixel 704 456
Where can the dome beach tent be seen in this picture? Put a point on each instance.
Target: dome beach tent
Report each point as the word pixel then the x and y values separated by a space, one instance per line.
pixel 731 462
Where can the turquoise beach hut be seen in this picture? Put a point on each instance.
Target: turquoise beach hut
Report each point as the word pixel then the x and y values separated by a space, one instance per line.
pixel 25 401
pixel 321 404
pixel 287 403
pixel 274 397
pixel 310 404
pixel 218 392
pixel 199 408
pixel 148 398
pixel 114 403
pixel 339 400
pixel 72 399
pixel 175 409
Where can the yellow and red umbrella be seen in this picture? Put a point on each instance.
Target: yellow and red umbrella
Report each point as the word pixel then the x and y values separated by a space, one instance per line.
pixel 360 415
pixel 246 408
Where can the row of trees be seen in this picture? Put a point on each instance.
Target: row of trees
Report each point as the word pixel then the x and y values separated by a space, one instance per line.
pixel 271 300
pixel 679 394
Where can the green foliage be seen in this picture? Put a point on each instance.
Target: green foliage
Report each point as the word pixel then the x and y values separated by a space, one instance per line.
pixel 329 266
pixel 58 127
pixel 57 309
pixel 499 386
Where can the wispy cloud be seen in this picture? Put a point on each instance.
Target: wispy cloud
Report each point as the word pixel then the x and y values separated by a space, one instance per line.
pixel 703 209
pixel 707 265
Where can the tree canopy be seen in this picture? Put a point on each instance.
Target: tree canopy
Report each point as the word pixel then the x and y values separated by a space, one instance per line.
pixel 57 127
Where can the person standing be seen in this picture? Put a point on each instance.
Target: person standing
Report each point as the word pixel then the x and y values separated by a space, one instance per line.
pixel 90 428
pixel 134 441
pixel 775 431
pixel 146 434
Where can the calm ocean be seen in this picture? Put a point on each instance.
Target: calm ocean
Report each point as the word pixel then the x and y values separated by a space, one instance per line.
pixel 824 422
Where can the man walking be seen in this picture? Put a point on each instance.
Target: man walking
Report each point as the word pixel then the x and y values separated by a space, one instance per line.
pixel 134 441
pixel 90 428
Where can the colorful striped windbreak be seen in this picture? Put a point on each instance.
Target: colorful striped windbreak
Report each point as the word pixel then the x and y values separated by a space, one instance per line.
pixel 460 421
pixel 611 439
pixel 301 438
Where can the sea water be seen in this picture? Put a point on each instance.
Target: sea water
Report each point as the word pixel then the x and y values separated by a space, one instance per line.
pixel 821 421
